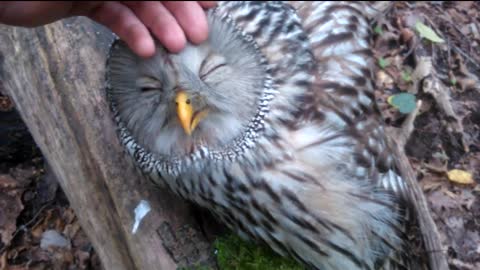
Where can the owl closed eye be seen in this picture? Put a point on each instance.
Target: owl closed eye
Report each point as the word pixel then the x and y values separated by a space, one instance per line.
pixel 148 84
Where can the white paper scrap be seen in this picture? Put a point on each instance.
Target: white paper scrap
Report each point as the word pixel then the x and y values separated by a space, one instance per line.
pixel 141 211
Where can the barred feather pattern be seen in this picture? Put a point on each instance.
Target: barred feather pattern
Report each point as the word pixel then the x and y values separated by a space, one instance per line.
pixel 316 180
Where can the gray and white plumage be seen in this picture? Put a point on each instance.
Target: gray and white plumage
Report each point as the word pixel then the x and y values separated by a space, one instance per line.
pixel 292 151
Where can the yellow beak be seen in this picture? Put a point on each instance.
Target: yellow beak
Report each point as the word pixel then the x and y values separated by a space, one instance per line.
pixel 189 119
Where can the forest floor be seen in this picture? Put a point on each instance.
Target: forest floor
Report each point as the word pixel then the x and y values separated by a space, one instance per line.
pixel 425 51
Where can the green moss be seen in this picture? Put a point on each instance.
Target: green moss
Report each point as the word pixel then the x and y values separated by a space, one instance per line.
pixel 233 253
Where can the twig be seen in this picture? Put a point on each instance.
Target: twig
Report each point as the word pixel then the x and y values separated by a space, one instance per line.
pixel 431 236
pixel 456 48
pixel 473 61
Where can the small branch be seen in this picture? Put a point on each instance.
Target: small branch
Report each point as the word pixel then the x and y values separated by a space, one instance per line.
pixel 407 128
pixel 430 234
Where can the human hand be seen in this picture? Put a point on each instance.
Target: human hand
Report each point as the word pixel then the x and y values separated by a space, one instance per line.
pixel 171 22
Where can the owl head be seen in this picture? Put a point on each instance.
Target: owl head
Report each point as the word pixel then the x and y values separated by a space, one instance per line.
pixel 207 96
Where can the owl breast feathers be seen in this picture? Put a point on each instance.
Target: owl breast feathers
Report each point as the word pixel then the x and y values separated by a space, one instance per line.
pixel 271 124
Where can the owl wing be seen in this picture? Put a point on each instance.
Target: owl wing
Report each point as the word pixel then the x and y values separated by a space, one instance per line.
pixel 340 35
pixel 322 119
pixel 320 61
pixel 340 38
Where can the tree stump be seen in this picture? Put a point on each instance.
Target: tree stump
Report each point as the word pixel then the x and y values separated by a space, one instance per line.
pixel 55 76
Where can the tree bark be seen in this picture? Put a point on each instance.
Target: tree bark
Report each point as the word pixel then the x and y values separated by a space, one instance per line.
pixel 55 76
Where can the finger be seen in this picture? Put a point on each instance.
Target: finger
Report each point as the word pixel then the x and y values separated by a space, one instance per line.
pixel 123 22
pixel 161 22
pixel 207 4
pixel 191 18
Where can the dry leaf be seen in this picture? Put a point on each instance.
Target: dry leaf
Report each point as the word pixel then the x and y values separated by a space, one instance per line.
pixel 384 79
pixel 460 176
pixel 10 207
pixel 428 33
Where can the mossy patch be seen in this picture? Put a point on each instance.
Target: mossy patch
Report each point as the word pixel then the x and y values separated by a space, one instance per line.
pixel 233 253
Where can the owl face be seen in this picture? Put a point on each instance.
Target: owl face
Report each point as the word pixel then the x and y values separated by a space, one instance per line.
pixel 204 96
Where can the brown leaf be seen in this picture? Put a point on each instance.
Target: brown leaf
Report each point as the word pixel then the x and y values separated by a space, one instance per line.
pixel 71 230
pixel 439 201
pixel 10 207
pixel 457 17
pixel 62 258
pixel 6 104
pixel 42 224
pixel 430 186
pixel 38 255
pixel 406 34
pixel 82 257
pixel 465 5
pixel 69 215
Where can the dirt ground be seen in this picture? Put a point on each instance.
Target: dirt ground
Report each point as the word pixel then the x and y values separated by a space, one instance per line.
pixel 445 77
pixel 38 229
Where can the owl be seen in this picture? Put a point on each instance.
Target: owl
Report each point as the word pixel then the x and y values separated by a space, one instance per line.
pixel 271 124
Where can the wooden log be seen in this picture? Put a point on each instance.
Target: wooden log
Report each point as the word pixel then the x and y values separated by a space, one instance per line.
pixel 55 75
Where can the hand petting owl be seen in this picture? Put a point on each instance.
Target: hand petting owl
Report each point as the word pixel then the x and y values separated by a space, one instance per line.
pixel 171 22
pixel 271 124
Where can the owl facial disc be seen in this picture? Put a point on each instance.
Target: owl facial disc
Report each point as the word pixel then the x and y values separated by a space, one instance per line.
pixel 207 101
